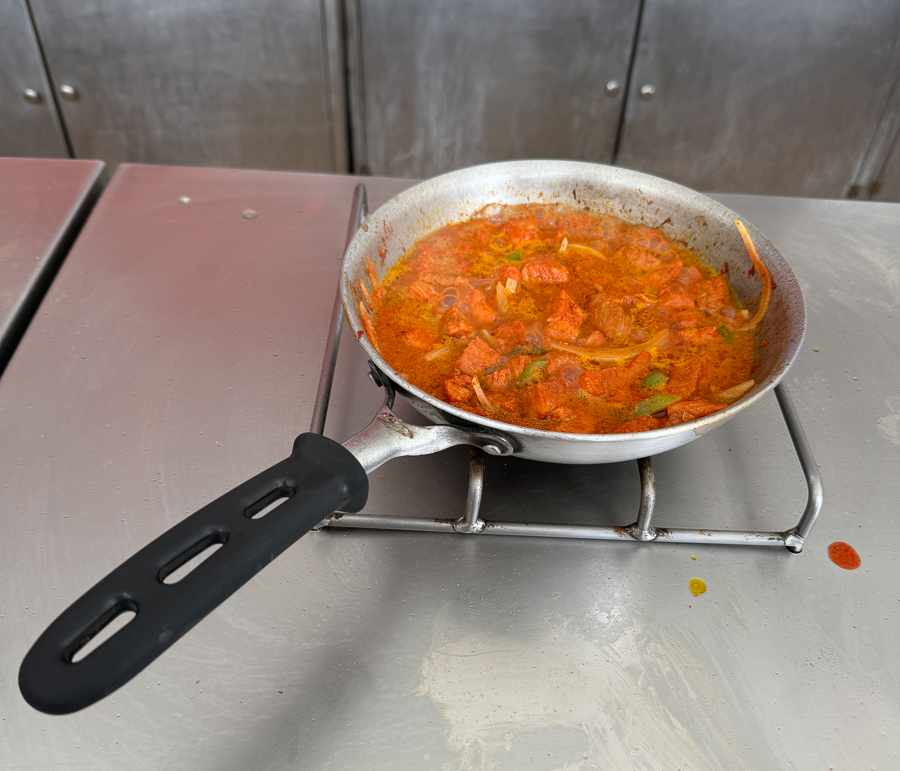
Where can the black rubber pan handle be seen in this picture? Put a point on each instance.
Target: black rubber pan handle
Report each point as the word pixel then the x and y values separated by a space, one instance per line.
pixel 318 478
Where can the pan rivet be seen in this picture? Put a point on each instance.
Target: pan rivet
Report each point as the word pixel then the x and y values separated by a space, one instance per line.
pixel 492 449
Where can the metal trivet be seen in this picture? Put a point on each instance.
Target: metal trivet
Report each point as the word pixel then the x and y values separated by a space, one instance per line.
pixel 641 530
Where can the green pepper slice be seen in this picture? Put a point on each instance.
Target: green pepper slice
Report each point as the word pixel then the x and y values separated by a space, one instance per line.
pixel 654 380
pixel 655 403
pixel 532 369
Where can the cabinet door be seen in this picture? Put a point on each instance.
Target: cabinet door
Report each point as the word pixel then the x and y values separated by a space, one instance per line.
pixel 196 82
pixel 759 96
pixel 461 82
pixel 29 124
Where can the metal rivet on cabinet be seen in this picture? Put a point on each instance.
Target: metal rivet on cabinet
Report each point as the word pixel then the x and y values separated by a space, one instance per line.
pixel 32 96
pixel 613 87
pixel 647 91
pixel 69 93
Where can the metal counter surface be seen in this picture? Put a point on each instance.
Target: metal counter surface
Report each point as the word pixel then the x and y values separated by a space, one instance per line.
pixel 178 353
pixel 43 204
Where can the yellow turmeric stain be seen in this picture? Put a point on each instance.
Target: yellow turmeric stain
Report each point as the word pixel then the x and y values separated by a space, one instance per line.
pixel 697 586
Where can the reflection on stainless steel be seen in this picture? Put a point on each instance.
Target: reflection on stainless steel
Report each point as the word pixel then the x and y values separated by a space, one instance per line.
pixel 443 85
pixel 875 172
pixel 746 100
pixel 879 174
pixel 148 384
pixel 43 204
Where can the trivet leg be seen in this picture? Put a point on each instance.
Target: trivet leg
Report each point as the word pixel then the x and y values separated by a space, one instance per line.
pixel 470 522
pixel 795 537
pixel 642 530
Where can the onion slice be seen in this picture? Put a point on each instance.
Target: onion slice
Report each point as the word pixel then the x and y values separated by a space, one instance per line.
pixel 373 274
pixel 763 274
pixel 736 392
pixel 501 298
pixel 432 355
pixel 368 326
pixel 479 394
pixel 590 250
pixel 611 354
pixel 367 297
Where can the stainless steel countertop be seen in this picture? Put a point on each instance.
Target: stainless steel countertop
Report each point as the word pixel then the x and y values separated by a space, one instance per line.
pixel 178 353
pixel 43 204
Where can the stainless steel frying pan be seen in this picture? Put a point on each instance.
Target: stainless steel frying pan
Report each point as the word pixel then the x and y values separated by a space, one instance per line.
pixel 322 476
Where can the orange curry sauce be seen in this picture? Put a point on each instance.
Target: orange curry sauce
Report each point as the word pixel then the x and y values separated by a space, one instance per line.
pixel 562 320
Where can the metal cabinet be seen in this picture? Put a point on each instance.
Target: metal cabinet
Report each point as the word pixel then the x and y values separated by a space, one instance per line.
pixel 878 177
pixel 436 86
pixel 29 123
pixel 759 96
pixel 199 82
pixel 887 186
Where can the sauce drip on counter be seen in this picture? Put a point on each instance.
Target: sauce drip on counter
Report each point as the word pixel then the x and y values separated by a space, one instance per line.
pixel 697 586
pixel 844 555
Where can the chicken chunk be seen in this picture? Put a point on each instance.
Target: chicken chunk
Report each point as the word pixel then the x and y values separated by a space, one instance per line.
pixel 458 389
pixel 611 319
pixel 541 398
pixel 544 270
pixel 606 382
pixel 477 357
pixel 455 324
pixel 565 318
pixel 510 335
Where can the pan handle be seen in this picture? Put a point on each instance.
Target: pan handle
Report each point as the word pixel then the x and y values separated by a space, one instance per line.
pixel 318 478
pixel 387 436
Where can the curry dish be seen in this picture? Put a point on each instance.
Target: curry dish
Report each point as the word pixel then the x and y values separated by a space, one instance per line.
pixel 564 320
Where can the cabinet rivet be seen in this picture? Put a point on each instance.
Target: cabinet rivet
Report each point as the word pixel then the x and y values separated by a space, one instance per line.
pixel 613 87
pixel 69 93
pixel 32 96
pixel 647 91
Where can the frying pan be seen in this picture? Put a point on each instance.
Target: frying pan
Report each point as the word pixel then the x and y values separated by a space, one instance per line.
pixel 321 476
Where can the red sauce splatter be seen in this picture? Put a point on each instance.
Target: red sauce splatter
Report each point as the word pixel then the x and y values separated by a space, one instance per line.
pixel 359 335
pixel 844 555
pixel 382 252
